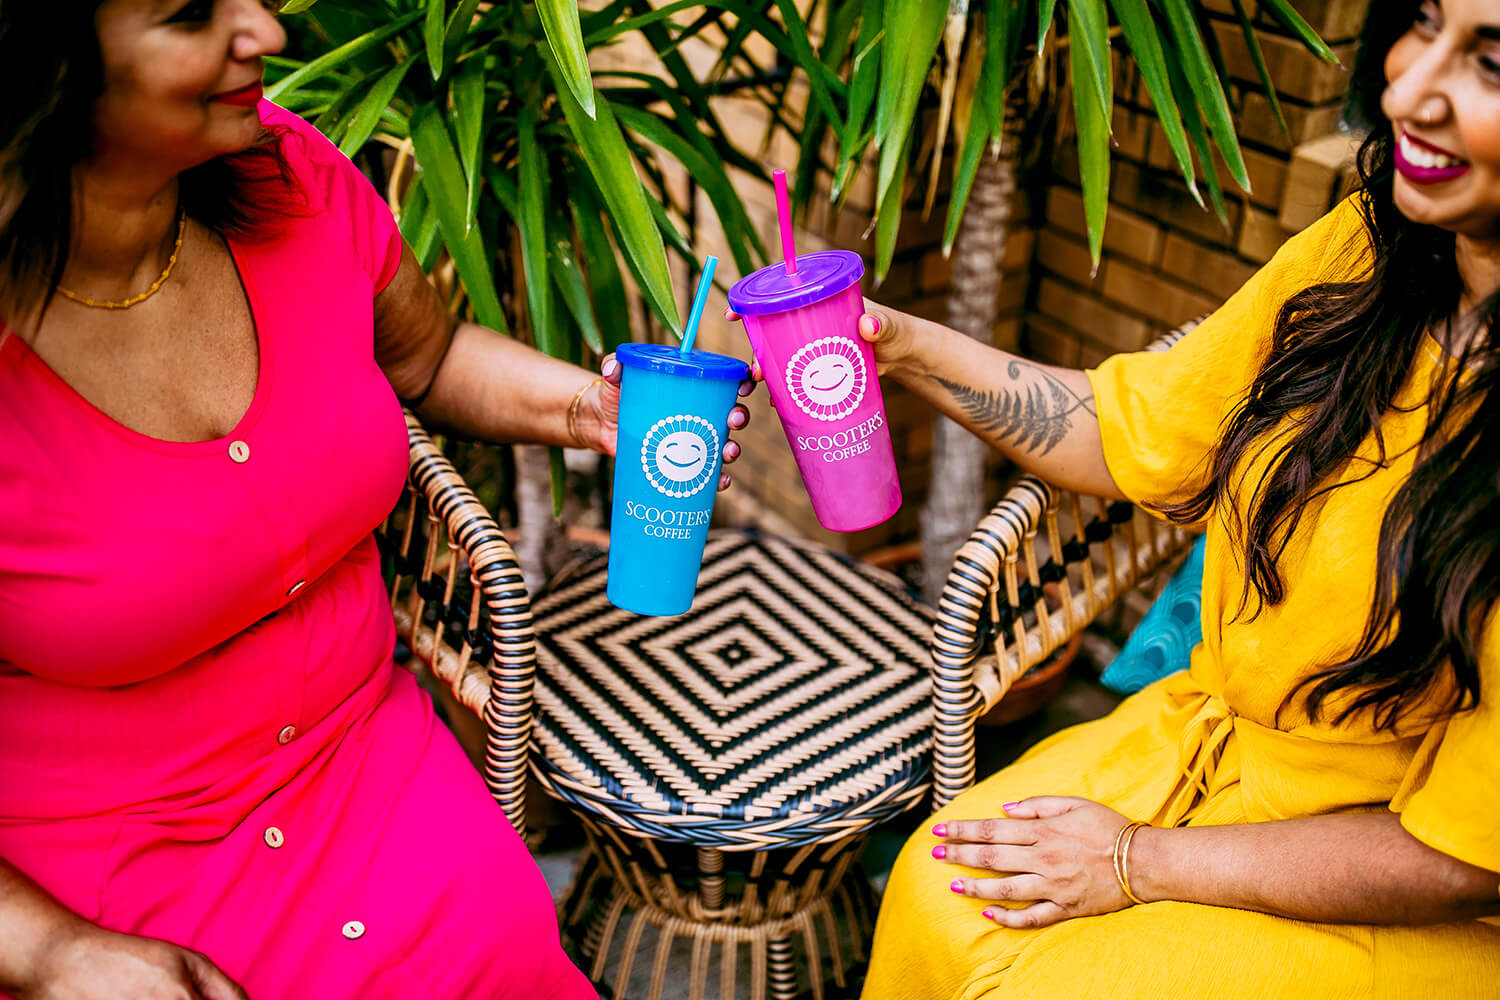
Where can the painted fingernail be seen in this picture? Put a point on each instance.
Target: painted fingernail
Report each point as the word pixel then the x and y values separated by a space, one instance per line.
pixel 874 324
pixel 988 914
pixel 1009 806
pixel 940 852
pixel 940 830
pixel 609 366
pixel 957 885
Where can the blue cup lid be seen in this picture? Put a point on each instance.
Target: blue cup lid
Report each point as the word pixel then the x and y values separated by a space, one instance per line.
pixel 671 361
pixel 819 276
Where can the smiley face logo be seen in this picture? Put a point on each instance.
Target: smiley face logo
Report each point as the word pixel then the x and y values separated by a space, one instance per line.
pixel 681 456
pixel 678 454
pixel 827 378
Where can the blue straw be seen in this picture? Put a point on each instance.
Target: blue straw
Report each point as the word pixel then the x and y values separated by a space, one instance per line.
pixel 704 283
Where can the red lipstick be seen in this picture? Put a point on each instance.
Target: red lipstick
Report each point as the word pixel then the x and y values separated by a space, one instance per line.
pixel 245 97
pixel 1436 166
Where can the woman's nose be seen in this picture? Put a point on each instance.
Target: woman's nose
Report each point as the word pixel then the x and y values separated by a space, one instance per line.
pixel 258 33
pixel 1418 93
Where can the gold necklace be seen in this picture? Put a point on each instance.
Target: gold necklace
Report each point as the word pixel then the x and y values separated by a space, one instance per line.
pixel 134 300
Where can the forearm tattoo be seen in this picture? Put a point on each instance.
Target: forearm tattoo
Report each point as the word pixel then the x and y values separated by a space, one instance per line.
pixel 1035 415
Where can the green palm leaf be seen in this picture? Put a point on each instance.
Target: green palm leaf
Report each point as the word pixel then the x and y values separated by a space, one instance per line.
pixel 609 160
pixel 339 56
pixel 1203 83
pixel 443 179
pixel 531 220
pixel 565 38
pixel 912 32
pixel 1293 22
pixel 1252 42
pixel 1091 106
pixel 366 118
pixel 1145 43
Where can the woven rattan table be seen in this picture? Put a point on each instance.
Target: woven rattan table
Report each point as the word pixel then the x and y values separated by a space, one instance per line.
pixel 728 763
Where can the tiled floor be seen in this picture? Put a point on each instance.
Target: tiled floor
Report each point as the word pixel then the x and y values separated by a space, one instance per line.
pixel 1080 701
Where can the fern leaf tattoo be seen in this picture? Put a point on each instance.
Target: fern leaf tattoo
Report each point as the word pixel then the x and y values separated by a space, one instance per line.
pixel 1035 415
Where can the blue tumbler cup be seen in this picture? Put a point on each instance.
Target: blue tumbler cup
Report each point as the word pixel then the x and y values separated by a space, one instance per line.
pixel 674 420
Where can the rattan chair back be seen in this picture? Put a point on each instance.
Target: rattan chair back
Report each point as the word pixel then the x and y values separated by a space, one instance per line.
pixel 462 609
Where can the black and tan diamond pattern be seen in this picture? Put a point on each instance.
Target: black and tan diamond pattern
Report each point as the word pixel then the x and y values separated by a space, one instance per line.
pixel 791 704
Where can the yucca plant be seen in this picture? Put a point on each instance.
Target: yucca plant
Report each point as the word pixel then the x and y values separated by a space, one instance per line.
pixel 534 178
pixel 979 54
pixel 986 65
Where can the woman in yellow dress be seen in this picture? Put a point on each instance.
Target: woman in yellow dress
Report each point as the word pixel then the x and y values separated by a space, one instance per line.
pixel 1321 790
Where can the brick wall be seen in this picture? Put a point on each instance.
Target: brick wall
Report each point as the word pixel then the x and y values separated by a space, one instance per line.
pixel 1165 259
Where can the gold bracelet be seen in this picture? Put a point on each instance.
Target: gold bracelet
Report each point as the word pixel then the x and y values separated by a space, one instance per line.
pixel 1122 859
pixel 578 442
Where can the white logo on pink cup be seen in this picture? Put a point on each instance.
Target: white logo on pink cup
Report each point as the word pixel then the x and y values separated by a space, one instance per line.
pixel 827 378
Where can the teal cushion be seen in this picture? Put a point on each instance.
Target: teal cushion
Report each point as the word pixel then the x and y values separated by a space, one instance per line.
pixel 1163 641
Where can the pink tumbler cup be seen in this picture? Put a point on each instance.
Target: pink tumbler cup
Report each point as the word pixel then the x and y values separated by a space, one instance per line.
pixel 804 330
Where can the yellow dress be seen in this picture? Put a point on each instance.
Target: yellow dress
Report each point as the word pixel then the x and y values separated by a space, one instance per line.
pixel 1226 741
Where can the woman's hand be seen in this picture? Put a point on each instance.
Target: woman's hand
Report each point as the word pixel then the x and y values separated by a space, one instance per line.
pixel 95 964
pixel 894 335
pixel 1054 852
pixel 599 412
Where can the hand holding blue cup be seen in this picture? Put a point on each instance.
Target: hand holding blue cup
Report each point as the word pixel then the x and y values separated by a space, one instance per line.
pixel 674 421
pixel 675 405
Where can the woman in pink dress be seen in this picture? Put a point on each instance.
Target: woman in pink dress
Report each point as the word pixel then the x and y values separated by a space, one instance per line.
pixel 214 782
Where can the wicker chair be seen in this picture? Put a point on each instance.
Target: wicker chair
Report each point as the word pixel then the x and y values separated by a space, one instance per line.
pixel 767 868
pixel 462 610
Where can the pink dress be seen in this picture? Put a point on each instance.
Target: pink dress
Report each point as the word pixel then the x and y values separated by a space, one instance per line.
pixel 203 736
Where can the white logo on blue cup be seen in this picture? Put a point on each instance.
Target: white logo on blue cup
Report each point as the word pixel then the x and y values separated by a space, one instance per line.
pixel 827 378
pixel 678 454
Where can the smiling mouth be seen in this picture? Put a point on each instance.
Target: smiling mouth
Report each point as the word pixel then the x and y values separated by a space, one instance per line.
pixel 829 388
pixel 1423 163
pixel 681 465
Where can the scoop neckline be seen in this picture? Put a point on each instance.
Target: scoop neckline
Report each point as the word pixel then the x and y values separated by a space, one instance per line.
pixel 242 427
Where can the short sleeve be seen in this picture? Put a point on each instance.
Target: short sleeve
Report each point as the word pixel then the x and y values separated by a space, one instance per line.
pixel 1450 797
pixel 338 188
pixel 1161 413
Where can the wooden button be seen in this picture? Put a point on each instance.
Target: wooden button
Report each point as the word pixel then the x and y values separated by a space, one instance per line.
pixel 287 734
pixel 274 839
pixel 239 452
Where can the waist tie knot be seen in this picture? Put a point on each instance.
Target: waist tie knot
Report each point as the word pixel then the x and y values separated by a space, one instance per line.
pixel 1200 749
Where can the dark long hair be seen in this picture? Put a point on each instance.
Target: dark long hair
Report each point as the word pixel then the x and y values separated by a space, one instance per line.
pixel 50 74
pixel 1340 353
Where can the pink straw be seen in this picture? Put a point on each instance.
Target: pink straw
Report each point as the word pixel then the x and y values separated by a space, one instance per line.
pixel 784 213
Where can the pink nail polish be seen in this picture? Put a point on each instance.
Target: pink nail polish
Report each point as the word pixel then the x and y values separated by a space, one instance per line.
pixel 957 885
pixel 1009 806
pixel 875 323
pixel 988 914
pixel 609 367
pixel 940 830
pixel 940 852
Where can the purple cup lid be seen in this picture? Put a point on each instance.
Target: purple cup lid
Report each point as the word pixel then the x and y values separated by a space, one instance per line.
pixel 671 361
pixel 819 276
